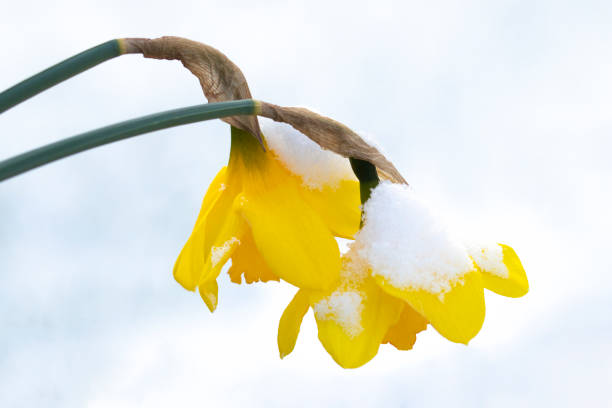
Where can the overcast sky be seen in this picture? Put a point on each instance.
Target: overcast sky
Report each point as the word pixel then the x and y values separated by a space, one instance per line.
pixel 500 114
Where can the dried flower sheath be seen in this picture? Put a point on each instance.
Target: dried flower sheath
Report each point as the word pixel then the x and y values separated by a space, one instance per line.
pixel 222 80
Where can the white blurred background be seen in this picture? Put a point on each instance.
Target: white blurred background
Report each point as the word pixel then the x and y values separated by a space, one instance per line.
pixel 498 112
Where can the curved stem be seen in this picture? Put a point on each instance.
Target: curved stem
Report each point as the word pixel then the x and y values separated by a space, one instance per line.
pixel 119 131
pixel 60 72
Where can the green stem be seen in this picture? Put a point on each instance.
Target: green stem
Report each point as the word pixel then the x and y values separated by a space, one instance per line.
pixel 59 72
pixel 367 175
pixel 123 130
pixel 368 180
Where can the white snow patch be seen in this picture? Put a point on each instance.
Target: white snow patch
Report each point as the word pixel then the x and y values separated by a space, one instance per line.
pixel 407 245
pixel 317 167
pixel 355 269
pixel 343 307
pixel 489 258
pixel 343 244
pixel 211 298
pixel 217 253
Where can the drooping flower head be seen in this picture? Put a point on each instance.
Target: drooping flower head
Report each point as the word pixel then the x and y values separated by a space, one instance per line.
pixel 404 270
pixel 269 222
pixel 353 318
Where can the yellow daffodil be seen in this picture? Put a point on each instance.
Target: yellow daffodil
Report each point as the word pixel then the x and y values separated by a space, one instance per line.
pixel 403 272
pixel 458 312
pixel 262 217
pixel 353 318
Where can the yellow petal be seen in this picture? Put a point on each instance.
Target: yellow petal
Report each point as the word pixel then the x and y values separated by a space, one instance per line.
pixel 290 322
pixel 339 207
pixel 209 291
pixel 217 217
pixel 402 335
pixel 224 245
pixel 292 239
pixel 515 284
pixel 228 238
pixel 213 192
pixel 457 315
pixel 353 340
pixel 247 261
pixel 190 262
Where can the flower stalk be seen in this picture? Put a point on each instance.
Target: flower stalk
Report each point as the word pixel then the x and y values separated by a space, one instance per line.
pixel 59 73
pixel 119 131
pixel 367 175
pixel 221 80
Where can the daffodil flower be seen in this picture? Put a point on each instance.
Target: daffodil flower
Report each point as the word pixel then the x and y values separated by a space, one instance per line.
pixel 403 271
pixel 353 319
pixel 458 312
pixel 269 223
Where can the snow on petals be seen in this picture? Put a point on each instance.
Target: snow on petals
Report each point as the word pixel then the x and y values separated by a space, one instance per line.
pixel 217 253
pixel 489 257
pixel 405 243
pixel 343 307
pixel 303 157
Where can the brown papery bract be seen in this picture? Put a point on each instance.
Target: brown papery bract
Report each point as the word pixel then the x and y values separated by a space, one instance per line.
pixel 332 135
pixel 222 80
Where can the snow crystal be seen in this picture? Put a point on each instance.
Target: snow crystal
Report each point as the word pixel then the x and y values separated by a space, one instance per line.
pixel 217 253
pixel 489 258
pixel 344 308
pixel 343 244
pixel 355 269
pixel 407 245
pixel 305 158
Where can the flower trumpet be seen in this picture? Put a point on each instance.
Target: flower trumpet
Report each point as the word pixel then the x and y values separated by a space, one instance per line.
pixel 269 223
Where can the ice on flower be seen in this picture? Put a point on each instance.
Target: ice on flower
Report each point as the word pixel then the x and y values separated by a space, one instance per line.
pixel 217 253
pixel 355 269
pixel 343 307
pixel 317 167
pixel 407 245
pixel 489 257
